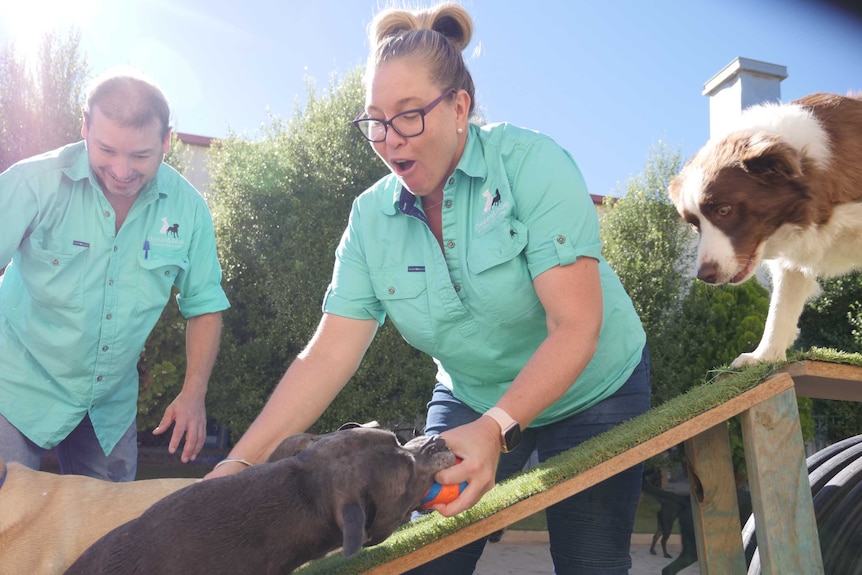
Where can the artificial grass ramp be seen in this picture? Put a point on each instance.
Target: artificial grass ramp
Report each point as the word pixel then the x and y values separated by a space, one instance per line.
pixel 724 386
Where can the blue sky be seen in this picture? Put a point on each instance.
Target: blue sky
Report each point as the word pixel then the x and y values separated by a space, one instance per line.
pixel 607 79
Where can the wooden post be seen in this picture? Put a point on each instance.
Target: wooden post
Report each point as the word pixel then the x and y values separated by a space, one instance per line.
pixel 715 509
pixel 786 528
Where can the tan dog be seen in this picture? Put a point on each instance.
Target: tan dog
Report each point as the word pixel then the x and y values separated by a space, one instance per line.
pixel 48 520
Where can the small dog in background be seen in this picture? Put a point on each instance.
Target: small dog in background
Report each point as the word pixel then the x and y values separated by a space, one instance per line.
pixel 782 186
pixel 677 507
pixel 348 488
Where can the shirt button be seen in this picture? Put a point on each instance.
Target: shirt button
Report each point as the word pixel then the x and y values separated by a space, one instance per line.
pixel 110 282
pixel 104 348
pixel 448 203
pixel 99 378
pixel 391 291
pixel 107 214
pixel 115 248
pixel 451 181
pixel 457 288
pixel 54 262
pixel 561 239
pixel 450 244
pixel 109 316
pixel 167 273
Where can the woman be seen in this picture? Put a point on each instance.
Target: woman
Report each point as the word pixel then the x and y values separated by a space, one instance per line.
pixel 482 247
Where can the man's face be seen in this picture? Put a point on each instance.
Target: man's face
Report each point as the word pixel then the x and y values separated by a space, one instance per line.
pixel 124 159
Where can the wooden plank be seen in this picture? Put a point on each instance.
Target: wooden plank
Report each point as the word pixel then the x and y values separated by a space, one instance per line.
pixel 786 529
pixel 824 380
pixel 714 505
pixel 641 452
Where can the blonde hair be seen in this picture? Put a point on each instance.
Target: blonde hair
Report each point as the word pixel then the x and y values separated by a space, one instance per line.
pixel 435 36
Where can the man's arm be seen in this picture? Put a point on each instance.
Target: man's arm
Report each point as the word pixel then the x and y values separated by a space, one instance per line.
pixel 187 412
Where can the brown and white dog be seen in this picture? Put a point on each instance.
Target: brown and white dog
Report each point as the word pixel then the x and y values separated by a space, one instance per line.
pixel 346 489
pixel 783 186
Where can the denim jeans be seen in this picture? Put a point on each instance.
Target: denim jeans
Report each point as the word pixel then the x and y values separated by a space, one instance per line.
pixel 590 532
pixel 78 454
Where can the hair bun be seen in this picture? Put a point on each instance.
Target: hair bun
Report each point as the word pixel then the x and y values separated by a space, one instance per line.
pixel 449 19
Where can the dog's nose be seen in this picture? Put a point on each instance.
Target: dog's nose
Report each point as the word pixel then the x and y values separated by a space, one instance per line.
pixel 708 273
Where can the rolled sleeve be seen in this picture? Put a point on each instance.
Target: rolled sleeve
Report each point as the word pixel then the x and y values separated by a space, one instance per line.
pixel 200 286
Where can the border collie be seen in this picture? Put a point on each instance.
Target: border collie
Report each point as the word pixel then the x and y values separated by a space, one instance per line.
pixel 783 186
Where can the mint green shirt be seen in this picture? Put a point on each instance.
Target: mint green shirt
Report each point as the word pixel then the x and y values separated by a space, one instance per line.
pixel 515 207
pixel 78 300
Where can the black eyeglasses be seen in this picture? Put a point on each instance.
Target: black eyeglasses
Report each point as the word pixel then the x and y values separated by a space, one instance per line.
pixel 408 124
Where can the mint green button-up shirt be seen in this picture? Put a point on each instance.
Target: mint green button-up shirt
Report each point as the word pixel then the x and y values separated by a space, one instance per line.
pixel 78 300
pixel 515 206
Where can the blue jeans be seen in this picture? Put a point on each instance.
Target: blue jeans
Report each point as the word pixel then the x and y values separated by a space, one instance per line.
pixel 78 454
pixel 590 532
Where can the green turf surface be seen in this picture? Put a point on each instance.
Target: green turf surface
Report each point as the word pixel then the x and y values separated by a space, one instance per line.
pixel 720 386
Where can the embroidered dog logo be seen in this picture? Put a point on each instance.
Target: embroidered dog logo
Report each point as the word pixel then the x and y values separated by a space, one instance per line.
pixel 173 230
pixel 491 201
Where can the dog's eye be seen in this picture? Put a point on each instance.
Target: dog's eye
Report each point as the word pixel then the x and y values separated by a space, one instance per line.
pixel 723 210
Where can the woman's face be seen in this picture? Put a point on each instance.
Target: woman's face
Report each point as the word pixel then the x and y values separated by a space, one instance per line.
pixel 422 162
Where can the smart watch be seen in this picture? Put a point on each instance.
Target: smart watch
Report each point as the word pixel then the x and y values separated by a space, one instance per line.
pixel 510 430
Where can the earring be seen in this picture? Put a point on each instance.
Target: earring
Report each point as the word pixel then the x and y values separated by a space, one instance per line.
pixel 460 130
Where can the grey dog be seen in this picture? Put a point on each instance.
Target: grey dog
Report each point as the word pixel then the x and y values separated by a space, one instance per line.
pixel 348 488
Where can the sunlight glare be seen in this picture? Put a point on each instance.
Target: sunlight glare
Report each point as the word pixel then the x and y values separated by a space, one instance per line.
pixel 26 22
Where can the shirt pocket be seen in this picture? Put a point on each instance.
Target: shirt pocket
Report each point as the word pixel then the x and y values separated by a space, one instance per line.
pixel 159 270
pixel 53 271
pixel 499 275
pixel 405 299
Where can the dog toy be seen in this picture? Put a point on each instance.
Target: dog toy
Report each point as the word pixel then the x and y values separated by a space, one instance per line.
pixel 438 493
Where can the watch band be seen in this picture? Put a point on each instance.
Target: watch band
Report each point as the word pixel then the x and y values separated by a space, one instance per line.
pixel 503 419
pixel 510 430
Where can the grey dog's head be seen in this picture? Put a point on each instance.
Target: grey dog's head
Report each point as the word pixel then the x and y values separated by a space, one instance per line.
pixel 374 481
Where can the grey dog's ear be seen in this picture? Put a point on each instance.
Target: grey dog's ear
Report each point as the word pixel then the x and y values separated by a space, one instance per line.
pixel 291 446
pixel 353 528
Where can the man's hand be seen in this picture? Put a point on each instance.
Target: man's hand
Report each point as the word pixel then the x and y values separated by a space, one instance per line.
pixel 189 418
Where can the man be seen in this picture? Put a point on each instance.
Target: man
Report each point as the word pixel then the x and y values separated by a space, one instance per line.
pixel 98 232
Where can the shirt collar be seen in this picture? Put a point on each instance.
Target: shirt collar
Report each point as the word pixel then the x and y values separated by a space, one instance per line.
pixel 472 164
pixel 80 170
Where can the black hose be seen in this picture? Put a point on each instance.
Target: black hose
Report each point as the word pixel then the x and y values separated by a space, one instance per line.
pixel 835 475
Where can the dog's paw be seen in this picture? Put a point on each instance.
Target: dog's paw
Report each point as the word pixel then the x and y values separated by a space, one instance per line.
pixel 757 356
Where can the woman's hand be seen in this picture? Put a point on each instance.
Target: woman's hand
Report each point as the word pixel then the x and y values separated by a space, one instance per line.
pixel 477 444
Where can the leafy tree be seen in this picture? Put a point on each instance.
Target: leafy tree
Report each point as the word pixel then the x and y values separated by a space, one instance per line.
pixel 649 248
pixel 280 205
pixel 41 111
pixel 692 328
pixel 834 320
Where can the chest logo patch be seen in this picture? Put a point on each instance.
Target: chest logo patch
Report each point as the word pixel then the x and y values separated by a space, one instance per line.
pixel 170 230
pixel 491 201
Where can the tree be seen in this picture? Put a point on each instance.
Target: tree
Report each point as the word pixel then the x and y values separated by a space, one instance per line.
pixel 834 320
pixel 649 248
pixel 41 111
pixel 280 206
pixel 692 328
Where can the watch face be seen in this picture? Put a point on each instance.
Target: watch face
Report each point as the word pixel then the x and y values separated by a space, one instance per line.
pixel 512 437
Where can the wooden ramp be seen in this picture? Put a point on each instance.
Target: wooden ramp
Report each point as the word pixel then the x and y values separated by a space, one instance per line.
pixel 781 496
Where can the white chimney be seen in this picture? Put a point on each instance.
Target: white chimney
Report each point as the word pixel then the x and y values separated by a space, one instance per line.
pixel 741 84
